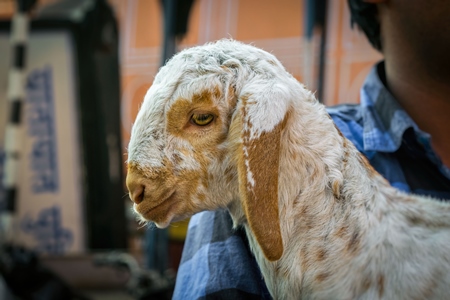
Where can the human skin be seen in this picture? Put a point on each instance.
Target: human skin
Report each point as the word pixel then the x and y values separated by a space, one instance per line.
pixel 416 46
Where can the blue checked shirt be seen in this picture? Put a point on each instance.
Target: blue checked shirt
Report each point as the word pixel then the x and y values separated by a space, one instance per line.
pixel 217 263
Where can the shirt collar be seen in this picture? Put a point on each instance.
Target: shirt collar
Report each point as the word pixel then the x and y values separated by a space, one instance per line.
pixel 384 120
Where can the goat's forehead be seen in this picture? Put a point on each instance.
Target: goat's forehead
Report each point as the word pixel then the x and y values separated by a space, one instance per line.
pixel 190 85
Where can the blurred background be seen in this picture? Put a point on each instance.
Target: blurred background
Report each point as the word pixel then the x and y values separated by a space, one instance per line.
pixel 88 66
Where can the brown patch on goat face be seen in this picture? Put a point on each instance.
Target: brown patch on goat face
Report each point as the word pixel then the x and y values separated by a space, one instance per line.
pixel 177 116
pixel 204 139
pixel 176 158
pixel 156 182
pixel 229 174
pixel 167 193
pixel 180 111
pixel 201 197
pixel 133 166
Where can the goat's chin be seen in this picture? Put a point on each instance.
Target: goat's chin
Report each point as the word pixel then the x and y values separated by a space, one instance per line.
pixel 160 220
pixel 160 223
pixel 163 218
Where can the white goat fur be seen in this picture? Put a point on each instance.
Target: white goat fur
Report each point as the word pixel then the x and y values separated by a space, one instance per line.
pixel 321 222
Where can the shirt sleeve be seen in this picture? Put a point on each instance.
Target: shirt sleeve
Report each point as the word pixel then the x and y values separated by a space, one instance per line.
pixel 217 263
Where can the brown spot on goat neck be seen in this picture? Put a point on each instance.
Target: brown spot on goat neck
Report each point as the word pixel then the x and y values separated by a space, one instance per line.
pixel 366 283
pixel 321 254
pixel 354 242
pixel 305 262
pixel 336 188
pixel 282 270
pixel 342 232
pixel 430 286
pixel 322 276
pixel 338 130
pixel 380 286
pixel 416 218
pixel 370 170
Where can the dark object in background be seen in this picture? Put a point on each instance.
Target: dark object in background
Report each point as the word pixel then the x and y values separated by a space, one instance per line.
pixel 316 16
pixel 93 28
pixel 142 284
pixel 176 16
pixel 27 279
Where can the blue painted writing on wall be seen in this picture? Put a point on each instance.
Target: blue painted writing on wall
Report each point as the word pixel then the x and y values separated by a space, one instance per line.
pixel 48 231
pixel 40 115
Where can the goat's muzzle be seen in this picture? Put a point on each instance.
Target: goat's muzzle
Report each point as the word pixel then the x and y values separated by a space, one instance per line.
pixel 135 188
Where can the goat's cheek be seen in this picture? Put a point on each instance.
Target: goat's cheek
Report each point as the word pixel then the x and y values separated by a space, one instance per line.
pixel 179 210
pixel 182 157
pixel 192 182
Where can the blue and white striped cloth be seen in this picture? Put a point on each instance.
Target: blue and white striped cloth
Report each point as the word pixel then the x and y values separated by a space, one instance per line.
pixel 16 95
pixel 14 132
pixel 217 263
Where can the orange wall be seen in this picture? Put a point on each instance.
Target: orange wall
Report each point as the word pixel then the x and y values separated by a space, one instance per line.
pixel 276 26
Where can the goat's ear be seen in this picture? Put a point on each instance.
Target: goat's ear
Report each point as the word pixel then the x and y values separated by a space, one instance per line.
pixel 263 117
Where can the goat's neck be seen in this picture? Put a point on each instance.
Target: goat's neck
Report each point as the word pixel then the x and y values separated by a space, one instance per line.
pixel 336 217
pixel 324 180
pixel 320 201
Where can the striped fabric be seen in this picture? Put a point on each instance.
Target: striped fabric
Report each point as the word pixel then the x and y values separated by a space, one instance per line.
pixel 217 263
pixel 13 142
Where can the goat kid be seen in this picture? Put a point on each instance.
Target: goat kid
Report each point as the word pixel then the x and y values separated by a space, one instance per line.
pixel 225 126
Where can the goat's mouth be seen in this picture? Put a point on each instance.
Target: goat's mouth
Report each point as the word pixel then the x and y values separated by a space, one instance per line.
pixel 156 213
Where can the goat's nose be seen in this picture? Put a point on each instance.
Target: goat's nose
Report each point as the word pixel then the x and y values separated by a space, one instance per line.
pixel 136 189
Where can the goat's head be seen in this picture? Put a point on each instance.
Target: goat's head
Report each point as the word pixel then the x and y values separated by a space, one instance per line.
pixel 208 135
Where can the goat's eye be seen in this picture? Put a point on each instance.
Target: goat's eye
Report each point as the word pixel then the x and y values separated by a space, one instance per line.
pixel 202 119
